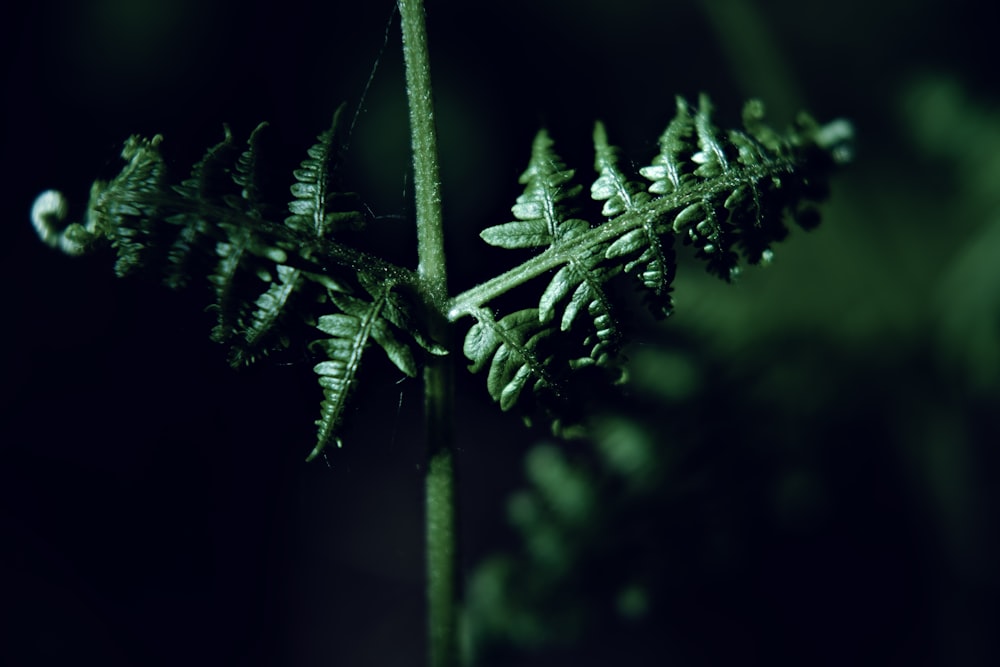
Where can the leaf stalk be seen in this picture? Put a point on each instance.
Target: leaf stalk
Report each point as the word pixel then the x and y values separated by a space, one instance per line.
pixel 442 572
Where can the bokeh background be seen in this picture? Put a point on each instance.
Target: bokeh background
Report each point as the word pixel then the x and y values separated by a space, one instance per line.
pixel 804 472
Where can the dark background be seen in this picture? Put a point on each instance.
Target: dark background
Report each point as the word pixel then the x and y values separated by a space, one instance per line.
pixel 154 506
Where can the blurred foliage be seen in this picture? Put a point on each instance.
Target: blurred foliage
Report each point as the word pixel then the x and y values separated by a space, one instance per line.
pixel 956 131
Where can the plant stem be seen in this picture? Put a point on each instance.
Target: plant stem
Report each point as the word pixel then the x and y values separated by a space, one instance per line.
pixel 426 182
pixel 442 573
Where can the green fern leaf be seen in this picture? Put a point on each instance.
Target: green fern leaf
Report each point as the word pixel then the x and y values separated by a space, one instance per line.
pixel 544 212
pixel 238 267
pixel 228 304
pixel 517 234
pixel 644 249
pixel 269 309
pixel 618 192
pixel 214 222
pixel 318 207
pixel 583 283
pixel 351 330
pixel 736 181
pixel 316 211
pixel 349 336
pixel 123 209
pixel 208 182
pixel 211 179
pixel 510 349
pixel 726 193
pixel 545 218
pixel 711 159
pixel 247 174
pixel 668 172
pixel 261 272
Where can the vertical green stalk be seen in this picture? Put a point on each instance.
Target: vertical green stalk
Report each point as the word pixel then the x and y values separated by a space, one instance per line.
pixel 442 573
pixel 426 181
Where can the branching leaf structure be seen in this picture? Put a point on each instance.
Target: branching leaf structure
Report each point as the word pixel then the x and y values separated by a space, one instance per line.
pixel 510 348
pixel 650 254
pixel 726 193
pixel 358 322
pixel 261 272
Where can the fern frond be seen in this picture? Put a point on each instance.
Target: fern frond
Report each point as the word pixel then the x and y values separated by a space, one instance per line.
pixel 123 209
pixel 247 174
pixel 237 264
pixel 349 333
pixel 737 184
pixel 726 193
pixel 668 170
pixel 583 282
pixel 644 250
pixel 318 207
pixel 544 212
pixel 269 308
pixel 510 349
pixel 358 323
pixel 233 256
pixel 209 179
pixel 613 187
pixel 545 218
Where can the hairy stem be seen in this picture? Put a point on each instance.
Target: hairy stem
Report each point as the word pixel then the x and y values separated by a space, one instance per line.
pixel 426 181
pixel 442 573
pixel 442 579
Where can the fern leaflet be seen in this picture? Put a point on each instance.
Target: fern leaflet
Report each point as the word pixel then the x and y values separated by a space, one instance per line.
pixel 351 330
pixel 643 249
pixel 510 348
pixel 317 206
pixel 124 208
pixel 545 218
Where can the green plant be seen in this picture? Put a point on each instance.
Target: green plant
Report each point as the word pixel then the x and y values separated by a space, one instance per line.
pixel 726 193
